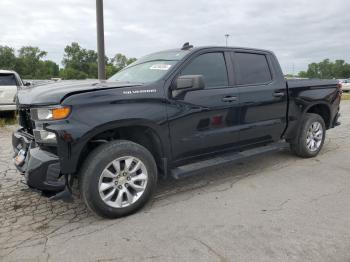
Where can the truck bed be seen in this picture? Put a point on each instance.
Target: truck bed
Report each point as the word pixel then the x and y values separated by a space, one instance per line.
pixel 294 83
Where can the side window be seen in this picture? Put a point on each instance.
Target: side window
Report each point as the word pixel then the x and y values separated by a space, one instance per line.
pixel 213 68
pixel 252 69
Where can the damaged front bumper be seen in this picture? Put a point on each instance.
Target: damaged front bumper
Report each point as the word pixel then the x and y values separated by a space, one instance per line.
pixel 41 168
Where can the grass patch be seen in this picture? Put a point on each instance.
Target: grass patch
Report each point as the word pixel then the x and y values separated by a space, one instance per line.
pixel 345 96
pixel 8 118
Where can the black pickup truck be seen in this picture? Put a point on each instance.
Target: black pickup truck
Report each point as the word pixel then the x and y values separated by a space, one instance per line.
pixel 174 112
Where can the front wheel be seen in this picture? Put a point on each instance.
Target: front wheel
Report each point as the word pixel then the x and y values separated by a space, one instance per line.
pixel 118 178
pixel 311 136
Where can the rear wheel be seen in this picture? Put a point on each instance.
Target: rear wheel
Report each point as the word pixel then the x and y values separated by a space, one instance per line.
pixel 118 178
pixel 311 136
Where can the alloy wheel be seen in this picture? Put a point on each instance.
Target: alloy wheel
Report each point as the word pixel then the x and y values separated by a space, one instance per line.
pixel 123 182
pixel 314 136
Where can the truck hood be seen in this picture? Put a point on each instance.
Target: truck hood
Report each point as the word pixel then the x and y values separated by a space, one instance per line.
pixel 53 94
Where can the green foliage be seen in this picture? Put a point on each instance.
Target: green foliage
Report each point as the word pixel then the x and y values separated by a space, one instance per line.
pixel 78 62
pixel 81 60
pixel 49 70
pixel 120 61
pixel 7 58
pixel 29 63
pixel 71 73
pixel 110 70
pixel 78 59
pixel 327 69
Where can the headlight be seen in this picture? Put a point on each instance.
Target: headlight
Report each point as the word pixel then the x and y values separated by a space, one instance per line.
pixel 50 113
pixel 43 136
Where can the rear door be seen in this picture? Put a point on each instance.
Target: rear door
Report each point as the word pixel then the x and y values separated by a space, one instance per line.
pixel 263 97
pixel 205 121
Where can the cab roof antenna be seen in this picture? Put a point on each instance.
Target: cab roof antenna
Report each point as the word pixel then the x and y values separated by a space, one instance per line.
pixel 186 46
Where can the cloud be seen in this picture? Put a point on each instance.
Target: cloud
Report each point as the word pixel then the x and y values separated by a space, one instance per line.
pixel 299 32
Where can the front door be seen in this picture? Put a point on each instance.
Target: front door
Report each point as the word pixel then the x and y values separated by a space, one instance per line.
pixel 205 120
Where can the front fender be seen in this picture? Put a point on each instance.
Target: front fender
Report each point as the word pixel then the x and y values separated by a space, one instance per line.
pixel 96 112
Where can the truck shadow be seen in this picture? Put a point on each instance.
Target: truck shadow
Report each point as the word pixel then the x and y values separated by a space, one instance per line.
pixel 226 174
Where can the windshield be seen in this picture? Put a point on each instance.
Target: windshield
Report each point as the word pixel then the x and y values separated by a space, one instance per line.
pixel 144 73
pixel 150 68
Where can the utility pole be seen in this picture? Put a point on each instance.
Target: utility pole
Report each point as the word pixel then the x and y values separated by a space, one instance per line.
pixel 100 40
pixel 227 36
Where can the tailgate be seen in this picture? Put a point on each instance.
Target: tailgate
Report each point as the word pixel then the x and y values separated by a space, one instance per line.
pixel 7 94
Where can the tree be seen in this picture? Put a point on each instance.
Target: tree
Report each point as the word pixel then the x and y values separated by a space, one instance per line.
pixel 31 52
pixel 30 64
pixel 117 63
pixel 341 69
pixel 81 60
pixel 48 69
pixel 327 69
pixel 120 61
pixel 7 58
pixel 71 73
pixel 78 62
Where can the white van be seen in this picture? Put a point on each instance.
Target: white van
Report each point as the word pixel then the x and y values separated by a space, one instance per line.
pixel 9 82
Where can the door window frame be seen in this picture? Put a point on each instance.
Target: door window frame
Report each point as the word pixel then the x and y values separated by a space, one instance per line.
pixel 228 63
pixel 235 66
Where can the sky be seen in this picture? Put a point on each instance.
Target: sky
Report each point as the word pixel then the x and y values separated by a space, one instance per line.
pixel 299 32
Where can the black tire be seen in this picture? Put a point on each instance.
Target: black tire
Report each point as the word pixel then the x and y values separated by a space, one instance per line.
pixel 299 145
pixel 97 161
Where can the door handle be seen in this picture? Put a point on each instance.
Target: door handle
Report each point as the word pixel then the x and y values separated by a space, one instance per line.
pixel 278 94
pixel 229 98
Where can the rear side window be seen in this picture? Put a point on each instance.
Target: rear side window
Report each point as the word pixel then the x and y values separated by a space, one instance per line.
pixel 252 69
pixel 7 80
pixel 213 68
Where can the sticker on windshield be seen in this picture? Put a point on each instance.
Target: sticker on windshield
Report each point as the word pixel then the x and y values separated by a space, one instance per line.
pixel 160 67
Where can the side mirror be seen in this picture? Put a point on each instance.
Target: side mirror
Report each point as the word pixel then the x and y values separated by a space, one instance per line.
pixel 187 83
pixel 27 83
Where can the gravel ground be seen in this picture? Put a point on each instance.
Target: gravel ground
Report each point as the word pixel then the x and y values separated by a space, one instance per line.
pixel 276 207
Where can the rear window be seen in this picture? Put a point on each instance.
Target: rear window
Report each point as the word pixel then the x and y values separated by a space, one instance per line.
pixel 7 80
pixel 252 69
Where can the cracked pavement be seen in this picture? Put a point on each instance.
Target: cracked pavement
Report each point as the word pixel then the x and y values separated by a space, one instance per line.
pixel 275 207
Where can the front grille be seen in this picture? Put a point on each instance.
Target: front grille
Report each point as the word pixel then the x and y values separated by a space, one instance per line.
pixel 24 119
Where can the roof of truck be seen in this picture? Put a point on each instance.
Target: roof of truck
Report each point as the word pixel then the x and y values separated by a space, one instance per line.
pixel 196 48
pixel 7 72
pixel 180 53
pixel 232 47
